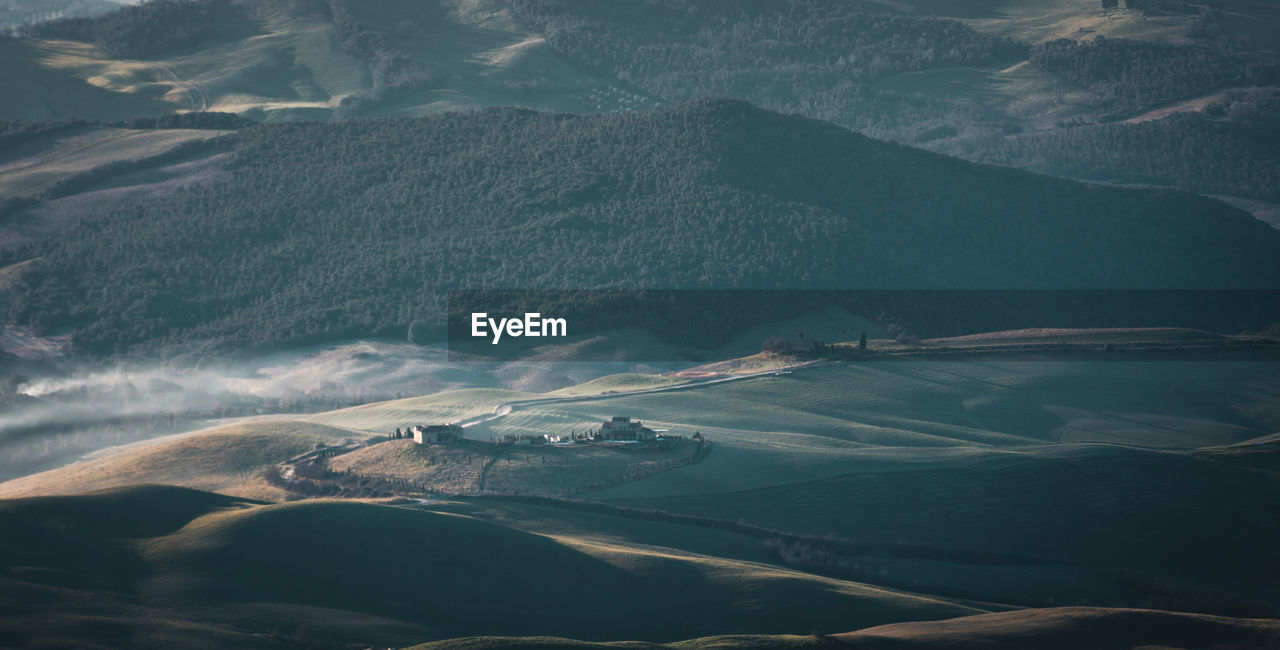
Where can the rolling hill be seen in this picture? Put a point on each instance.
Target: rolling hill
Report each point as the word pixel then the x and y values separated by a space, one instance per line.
pixel 349 572
pixel 1138 89
pixel 1116 483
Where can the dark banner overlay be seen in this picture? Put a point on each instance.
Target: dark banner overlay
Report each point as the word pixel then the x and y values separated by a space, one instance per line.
pixel 705 325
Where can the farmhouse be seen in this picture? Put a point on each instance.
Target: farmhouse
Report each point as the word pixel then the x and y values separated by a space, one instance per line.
pixel 622 427
pixel 436 434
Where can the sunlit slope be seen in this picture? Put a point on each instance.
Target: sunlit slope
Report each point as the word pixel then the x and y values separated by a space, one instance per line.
pixel 229 460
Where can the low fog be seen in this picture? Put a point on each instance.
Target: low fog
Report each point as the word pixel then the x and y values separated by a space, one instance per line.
pixel 57 412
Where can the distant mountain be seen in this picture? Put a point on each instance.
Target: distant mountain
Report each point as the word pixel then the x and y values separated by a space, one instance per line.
pixel 326 231
pixel 1163 93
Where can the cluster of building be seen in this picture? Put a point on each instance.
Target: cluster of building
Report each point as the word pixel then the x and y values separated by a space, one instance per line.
pixel 431 434
pixel 623 428
pixel 619 428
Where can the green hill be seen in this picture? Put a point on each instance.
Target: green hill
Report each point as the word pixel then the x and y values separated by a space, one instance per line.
pixel 328 231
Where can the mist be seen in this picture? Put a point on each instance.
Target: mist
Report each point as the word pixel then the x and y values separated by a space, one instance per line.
pixel 60 411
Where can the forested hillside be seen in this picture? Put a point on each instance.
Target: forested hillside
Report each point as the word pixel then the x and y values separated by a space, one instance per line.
pixel 327 231
pixel 1132 76
pixel 1230 148
pixel 822 59
pixel 678 49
